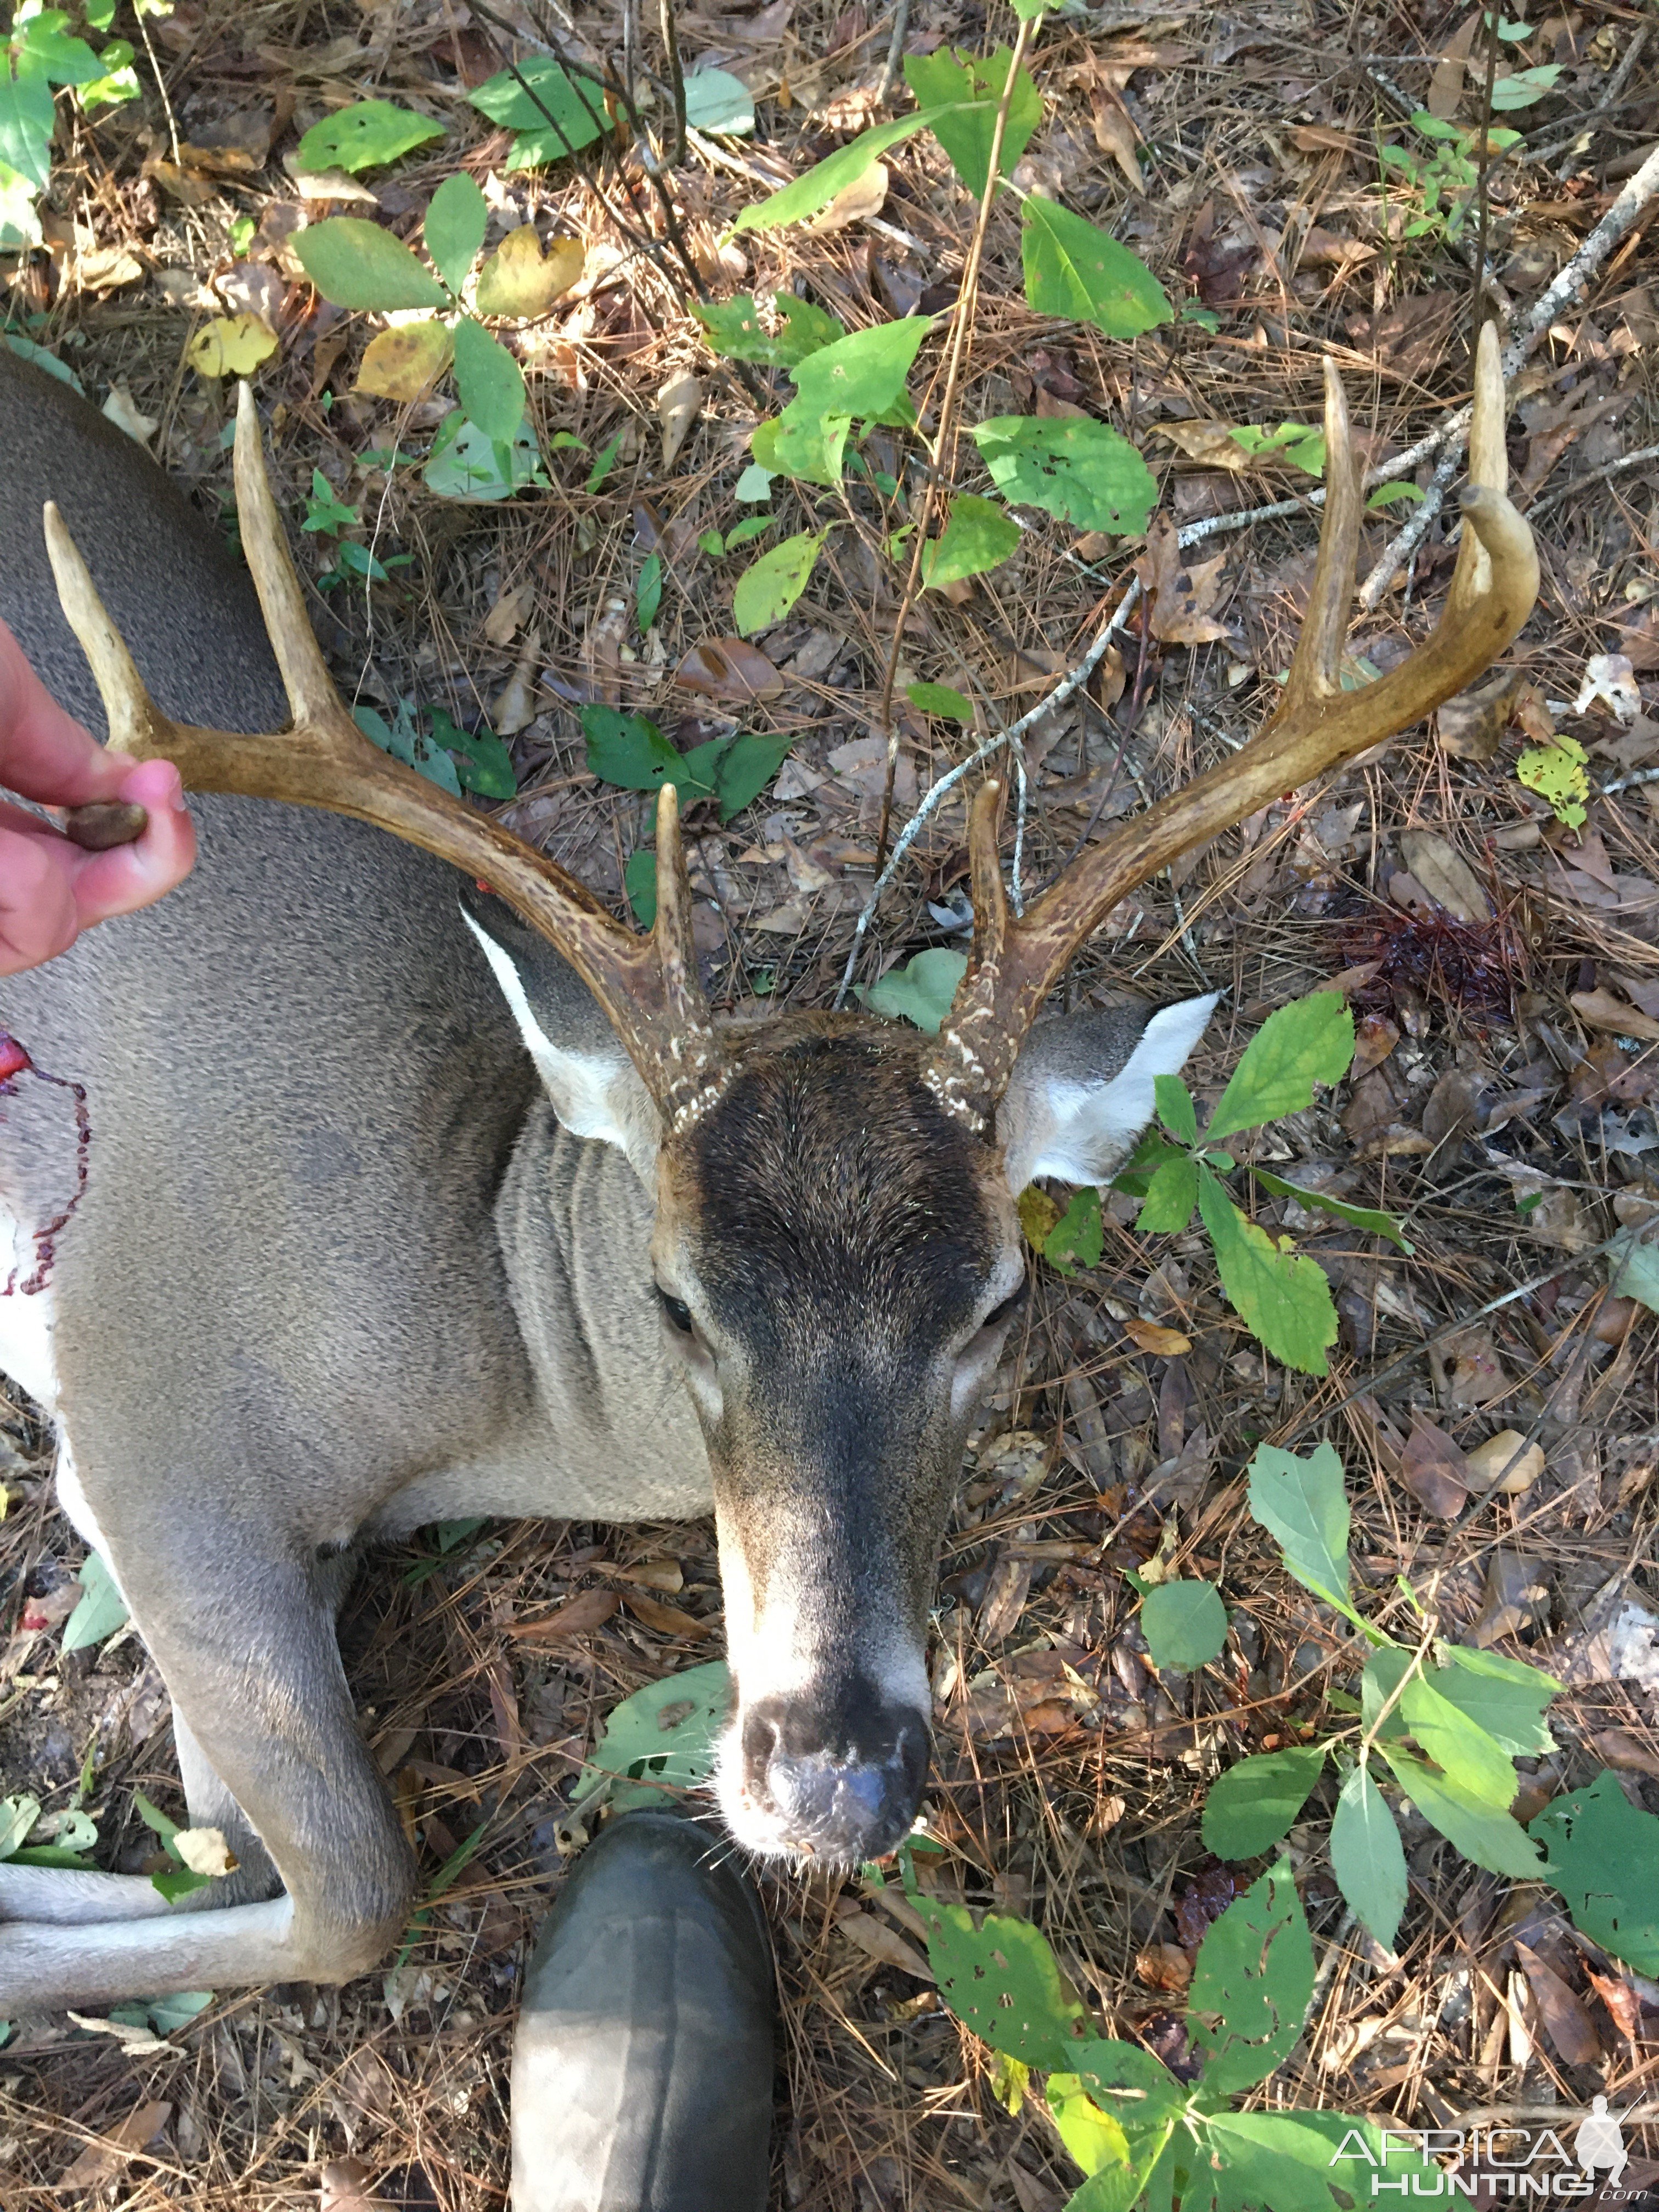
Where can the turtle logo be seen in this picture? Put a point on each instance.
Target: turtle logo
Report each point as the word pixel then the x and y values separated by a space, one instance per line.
pixel 1600 2141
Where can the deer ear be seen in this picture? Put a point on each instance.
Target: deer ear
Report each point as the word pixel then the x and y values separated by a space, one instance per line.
pixel 1081 1092
pixel 595 1088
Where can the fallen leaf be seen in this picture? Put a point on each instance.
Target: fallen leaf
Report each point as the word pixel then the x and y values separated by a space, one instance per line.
pixel 1164 1966
pixel 1620 1748
pixel 102 2160
pixel 1180 595
pixel 231 345
pixel 1445 876
pixel 404 363
pixel 1624 2005
pixel 120 409
pixel 1446 85
pixel 855 203
pixel 1211 444
pixel 1004 1601
pixel 883 1944
pixel 1324 249
pixel 1516 1596
pixel 667 1619
pixel 1600 1009
pixel 347 2187
pixel 205 1851
pixel 1566 2023
pixel 1470 726
pixel 513 707
pixel 508 614
pixel 678 404
pixel 1506 1463
pixel 590 1609
pixel 1610 681
pixel 521 282
pixel 106 268
pixel 1434 1471
pixel 663 1574
pixel 1115 134
pixel 1477 1375
pixel 1151 1336
pixel 1374 1038
pixel 729 668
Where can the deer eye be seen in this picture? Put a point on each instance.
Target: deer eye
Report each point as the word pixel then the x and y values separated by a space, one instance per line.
pixel 679 1313
pixel 1009 1305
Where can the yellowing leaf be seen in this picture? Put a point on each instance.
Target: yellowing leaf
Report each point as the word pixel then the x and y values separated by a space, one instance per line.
pixel 404 364
pixel 231 345
pixel 1556 772
pixel 520 280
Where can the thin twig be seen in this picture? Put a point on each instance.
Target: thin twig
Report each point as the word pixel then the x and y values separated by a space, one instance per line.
pixel 944 438
pixel 1489 22
pixel 1566 287
pixel 676 78
pixel 1636 460
pixel 894 51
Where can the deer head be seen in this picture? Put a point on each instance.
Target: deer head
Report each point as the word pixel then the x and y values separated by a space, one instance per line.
pixel 836 1251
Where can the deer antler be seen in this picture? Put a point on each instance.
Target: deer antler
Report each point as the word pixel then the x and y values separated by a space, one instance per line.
pixel 647 986
pixel 1316 725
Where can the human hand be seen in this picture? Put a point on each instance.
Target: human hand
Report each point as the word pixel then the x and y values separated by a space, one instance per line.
pixel 50 890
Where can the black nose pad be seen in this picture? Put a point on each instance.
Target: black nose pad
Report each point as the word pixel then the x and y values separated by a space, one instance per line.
pixel 842 1778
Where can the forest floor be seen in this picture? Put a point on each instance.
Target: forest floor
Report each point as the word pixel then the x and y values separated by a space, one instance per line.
pixel 1502 1105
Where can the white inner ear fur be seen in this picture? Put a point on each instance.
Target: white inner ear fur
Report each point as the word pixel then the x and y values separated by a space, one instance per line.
pixel 1081 1132
pixel 594 1094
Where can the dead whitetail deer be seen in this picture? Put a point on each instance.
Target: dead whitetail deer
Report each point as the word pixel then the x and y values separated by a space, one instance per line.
pixel 399 1214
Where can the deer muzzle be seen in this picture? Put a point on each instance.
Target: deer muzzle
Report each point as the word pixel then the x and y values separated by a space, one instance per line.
pixel 837 1779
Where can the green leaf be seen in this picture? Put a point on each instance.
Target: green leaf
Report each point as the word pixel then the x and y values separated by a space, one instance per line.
pixel 1175 1108
pixel 631 751
pixel 860 374
pixel 1170 1197
pixel 325 510
pixel 1185 1624
pixel 1309 1042
pixel 102 1610
pixel 1257 1802
pixel 747 764
pixel 466 464
pixel 770 586
pixel 967 90
pixel 1001 1979
pixel 1303 1504
pixel 455 226
pixel 1505 1697
pixel 639 882
pixel 27 114
pixel 920 991
pixel 506 101
pixel 17 1816
pixel 667 1734
pixel 1078 1235
pixel 482 763
pixel 717 100
pixel 647 593
pixel 1393 495
pixel 1075 270
pixel 810 447
pixel 366 134
pixel 939 699
pixel 357 265
pixel 1302 444
pixel 406 741
pixel 807 194
pixel 1369 1217
pixel 755 483
pixel 1283 1299
pixel 1385 1670
pixel 978 535
pixel 1144 2086
pixel 1367 1857
pixel 1633 1265
pixel 489 381
pixel 1478 1829
pixel 733 329
pixel 1604 1859
pixel 1524 88
pixel 175 1882
pixel 1094 2138
pixel 1079 470
pixel 45 50
pixel 1471 1759
pixel 1256 1974
pixel 1297 2162
pixel 20 224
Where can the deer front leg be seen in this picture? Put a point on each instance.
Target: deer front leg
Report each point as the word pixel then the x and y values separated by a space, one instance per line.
pixel 250 1657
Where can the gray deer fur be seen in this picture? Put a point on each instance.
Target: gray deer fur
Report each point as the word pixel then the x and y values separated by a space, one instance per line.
pixel 352 1259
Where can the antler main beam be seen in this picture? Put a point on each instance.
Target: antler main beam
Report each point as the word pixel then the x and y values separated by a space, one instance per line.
pixel 647 986
pixel 1316 725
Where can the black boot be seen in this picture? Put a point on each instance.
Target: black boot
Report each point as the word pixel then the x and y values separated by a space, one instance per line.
pixel 642 2065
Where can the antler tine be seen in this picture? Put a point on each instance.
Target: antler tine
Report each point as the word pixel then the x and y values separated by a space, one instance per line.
pixel 1316 725
pixel 649 987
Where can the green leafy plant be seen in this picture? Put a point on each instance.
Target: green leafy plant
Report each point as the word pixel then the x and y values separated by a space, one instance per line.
pixel 1139 2133
pixel 1446 181
pixel 1282 1298
pixel 630 752
pixel 918 990
pixel 102 1610
pixel 847 384
pixel 360 265
pixel 326 515
pixel 459 760
pixel 42 54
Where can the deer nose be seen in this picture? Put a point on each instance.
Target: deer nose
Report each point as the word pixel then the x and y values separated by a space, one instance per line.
pixel 839 1783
